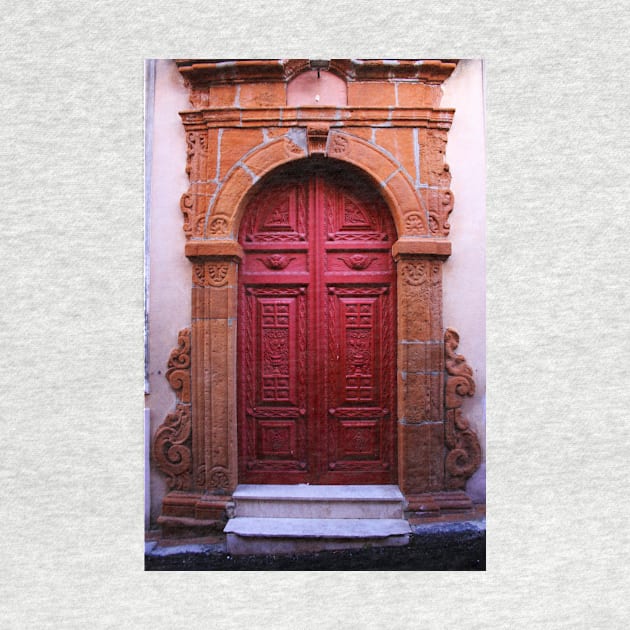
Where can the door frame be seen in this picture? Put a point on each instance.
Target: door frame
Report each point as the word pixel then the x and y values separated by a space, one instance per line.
pixel 420 347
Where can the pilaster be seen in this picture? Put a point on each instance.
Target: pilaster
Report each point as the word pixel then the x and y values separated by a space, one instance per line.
pixel 213 341
pixel 420 366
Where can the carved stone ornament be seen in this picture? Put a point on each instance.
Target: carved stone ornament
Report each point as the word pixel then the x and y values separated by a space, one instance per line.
pixel 219 478
pixel 178 374
pixel 317 136
pixel 442 206
pixel 414 273
pixel 172 448
pixel 210 274
pixel 414 223
pixel 218 226
pixel 292 149
pixel 464 455
pixel 172 443
pixel 338 145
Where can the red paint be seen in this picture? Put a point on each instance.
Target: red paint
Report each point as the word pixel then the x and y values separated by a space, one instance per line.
pixel 317 331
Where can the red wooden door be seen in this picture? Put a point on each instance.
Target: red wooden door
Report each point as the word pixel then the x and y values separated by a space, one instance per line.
pixel 317 332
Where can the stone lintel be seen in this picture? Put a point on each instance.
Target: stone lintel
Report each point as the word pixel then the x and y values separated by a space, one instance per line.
pixel 214 249
pixel 439 248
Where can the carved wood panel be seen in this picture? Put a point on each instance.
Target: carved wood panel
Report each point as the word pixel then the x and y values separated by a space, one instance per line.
pixel 317 333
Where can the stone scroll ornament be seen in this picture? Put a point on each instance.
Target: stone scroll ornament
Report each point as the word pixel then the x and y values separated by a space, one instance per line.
pixel 464 455
pixel 178 373
pixel 172 443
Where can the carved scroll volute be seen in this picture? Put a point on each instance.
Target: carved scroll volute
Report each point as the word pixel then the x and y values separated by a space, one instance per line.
pixel 171 448
pixel 464 455
pixel 178 374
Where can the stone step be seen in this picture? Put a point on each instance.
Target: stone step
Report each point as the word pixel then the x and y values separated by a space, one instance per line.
pixel 251 535
pixel 318 502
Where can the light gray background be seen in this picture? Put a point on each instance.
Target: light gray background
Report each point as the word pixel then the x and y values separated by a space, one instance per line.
pixel 71 147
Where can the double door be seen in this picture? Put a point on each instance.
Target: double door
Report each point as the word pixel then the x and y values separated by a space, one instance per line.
pixel 317 335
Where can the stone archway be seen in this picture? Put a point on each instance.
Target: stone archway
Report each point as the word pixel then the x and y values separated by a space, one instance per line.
pixel 222 217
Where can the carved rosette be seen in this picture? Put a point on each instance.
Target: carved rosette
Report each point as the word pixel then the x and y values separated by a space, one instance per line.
pixel 464 455
pixel 172 446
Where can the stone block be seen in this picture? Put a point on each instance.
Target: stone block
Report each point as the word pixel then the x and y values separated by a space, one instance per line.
pixel 221 96
pixel 235 143
pixel 418 95
pixel 371 94
pixel 230 196
pixel 263 95
pixel 274 154
pixel 421 457
pixel 400 143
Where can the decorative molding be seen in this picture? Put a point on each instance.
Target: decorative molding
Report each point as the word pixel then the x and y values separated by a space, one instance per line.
pixel 464 455
pixel 222 250
pixel 439 120
pixel 421 247
pixel 172 448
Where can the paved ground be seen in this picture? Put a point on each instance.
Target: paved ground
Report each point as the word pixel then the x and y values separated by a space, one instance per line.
pixel 434 547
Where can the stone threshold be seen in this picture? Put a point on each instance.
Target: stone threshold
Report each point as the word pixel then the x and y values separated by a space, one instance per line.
pixel 317 527
pixel 318 493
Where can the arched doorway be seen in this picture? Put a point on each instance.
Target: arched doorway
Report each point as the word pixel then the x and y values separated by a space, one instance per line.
pixel 317 329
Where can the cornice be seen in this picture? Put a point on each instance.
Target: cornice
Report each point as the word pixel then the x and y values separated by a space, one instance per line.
pixel 214 71
pixel 333 116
